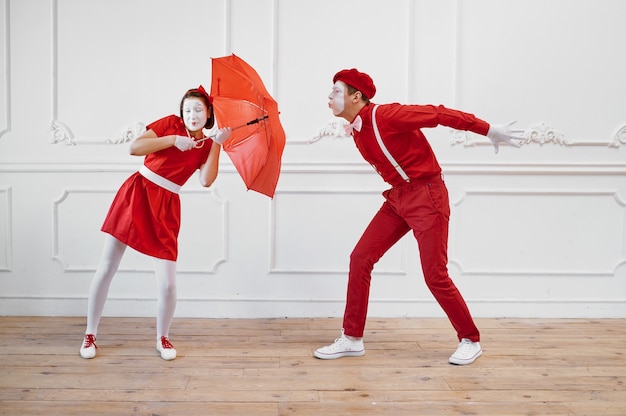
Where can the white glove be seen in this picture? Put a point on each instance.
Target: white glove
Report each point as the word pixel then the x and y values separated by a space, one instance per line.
pixel 184 143
pixel 502 133
pixel 222 135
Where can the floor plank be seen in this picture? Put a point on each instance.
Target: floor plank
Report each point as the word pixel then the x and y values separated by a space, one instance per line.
pixel 265 367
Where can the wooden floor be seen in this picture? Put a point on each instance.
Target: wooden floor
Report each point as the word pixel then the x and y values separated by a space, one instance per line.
pixel 265 367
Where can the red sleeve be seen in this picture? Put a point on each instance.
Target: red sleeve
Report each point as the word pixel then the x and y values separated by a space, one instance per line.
pixel 412 117
pixel 167 125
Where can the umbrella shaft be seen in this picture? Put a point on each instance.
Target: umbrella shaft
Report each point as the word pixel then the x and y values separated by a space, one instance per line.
pixel 249 123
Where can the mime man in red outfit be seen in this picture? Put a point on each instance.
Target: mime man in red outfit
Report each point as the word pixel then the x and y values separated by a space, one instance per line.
pixel 389 137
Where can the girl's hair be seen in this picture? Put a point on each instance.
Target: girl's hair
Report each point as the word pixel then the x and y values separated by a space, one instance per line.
pixel 206 99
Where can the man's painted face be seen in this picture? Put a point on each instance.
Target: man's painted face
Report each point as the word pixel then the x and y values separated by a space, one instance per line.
pixel 194 113
pixel 337 97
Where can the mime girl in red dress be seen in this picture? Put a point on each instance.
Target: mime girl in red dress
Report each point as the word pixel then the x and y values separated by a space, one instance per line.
pixel 145 213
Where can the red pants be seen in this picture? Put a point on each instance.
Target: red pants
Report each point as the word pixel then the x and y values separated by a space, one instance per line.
pixel 421 206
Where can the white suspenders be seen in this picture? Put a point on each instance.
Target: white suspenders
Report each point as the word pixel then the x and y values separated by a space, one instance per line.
pixel 384 148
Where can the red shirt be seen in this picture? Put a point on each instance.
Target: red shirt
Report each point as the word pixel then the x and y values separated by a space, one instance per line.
pixel 399 126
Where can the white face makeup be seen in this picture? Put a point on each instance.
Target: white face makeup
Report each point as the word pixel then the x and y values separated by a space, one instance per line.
pixel 337 98
pixel 194 113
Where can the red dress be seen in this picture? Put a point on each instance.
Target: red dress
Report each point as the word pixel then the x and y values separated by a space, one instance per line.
pixel 144 215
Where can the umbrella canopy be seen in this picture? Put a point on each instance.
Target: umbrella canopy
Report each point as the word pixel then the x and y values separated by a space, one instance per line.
pixel 241 101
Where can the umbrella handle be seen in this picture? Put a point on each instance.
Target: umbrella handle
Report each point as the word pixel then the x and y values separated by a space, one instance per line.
pixel 249 123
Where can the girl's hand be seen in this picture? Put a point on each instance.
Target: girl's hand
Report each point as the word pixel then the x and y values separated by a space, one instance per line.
pixel 183 143
pixel 222 135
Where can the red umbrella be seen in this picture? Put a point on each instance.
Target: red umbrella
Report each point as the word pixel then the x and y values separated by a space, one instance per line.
pixel 241 101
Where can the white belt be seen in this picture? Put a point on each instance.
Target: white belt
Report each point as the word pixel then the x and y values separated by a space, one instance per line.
pixel 159 180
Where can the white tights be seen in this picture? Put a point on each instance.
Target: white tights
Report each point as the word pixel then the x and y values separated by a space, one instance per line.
pixel 111 257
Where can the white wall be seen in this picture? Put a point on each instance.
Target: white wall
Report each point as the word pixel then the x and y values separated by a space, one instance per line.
pixel 535 231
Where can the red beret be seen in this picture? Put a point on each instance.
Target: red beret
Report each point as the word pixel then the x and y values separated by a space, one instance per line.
pixel 359 80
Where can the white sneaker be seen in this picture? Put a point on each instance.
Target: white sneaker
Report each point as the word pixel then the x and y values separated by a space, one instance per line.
pixel 466 353
pixel 88 347
pixel 165 347
pixel 342 347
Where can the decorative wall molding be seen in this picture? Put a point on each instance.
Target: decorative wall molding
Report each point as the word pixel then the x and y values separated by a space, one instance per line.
pixel 128 134
pixel 6 65
pixel 540 192
pixel 540 133
pixel 339 168
pixel 6 226
pixel 334 128
pixel 61 133
pixel 543 133
pixel 302 307
pixel 400 269
pixel 133 261
pixel 619 137
pixel 556 193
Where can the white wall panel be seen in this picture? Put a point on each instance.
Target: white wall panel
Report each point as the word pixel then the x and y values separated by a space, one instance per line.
pixel 547 232
pixel 535 231
pixel 315 231
pixel 317 39
pixel 119 62
pixel 546 61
